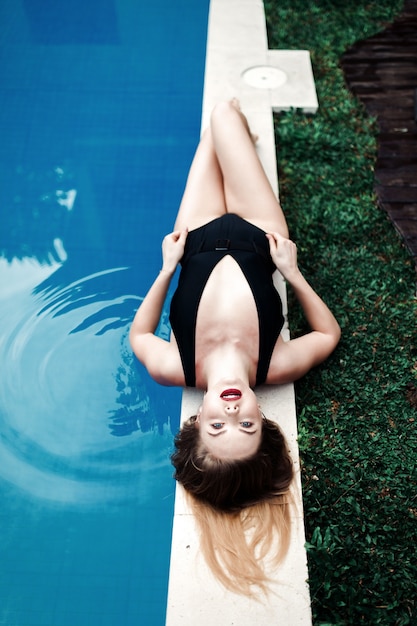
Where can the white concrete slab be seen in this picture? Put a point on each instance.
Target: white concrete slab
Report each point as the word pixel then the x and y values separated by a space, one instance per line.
pixel 237 41
pixel 238 44
pixel 299 90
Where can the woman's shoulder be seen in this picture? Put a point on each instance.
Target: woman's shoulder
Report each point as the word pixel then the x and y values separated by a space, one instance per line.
pixel 161 359
pixel 167 369
pixel 294 358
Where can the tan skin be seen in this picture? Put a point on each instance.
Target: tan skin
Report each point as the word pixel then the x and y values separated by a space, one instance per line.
pixel 227 176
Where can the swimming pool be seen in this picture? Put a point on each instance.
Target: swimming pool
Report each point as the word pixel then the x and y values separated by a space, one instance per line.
pixel 100 104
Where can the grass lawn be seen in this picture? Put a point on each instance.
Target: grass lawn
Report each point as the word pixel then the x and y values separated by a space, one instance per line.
pixel 357 412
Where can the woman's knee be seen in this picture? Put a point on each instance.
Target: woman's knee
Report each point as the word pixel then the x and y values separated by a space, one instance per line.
pixel 222 111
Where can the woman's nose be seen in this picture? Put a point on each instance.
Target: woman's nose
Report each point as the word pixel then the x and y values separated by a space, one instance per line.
pixel 231 408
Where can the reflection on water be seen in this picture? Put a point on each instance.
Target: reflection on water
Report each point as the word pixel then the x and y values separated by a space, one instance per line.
pixel 95 295
pixel 36 204
pixel 78 418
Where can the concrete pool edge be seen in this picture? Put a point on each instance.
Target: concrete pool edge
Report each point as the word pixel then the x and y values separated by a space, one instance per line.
pixel 237 41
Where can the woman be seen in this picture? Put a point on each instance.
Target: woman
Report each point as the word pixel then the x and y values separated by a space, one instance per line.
pixel 226 316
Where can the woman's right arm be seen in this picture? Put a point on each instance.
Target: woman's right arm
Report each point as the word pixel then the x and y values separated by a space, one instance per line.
pixel 148 314
pixel 148 348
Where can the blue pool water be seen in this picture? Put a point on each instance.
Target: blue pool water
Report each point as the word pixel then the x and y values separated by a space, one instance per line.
pixel 100 104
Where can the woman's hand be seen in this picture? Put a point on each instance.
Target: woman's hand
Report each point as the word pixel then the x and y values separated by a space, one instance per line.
pixel 173 249
pixel 298 356
pixel 284 255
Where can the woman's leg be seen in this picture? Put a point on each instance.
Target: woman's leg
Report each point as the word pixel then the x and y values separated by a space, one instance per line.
pixel 203 198
pixel 246 187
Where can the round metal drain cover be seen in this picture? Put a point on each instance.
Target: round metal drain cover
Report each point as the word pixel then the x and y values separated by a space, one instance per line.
pixel 264 77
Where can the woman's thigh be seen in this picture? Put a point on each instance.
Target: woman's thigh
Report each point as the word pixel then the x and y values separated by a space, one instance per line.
pixel 203 199
pixel 247 190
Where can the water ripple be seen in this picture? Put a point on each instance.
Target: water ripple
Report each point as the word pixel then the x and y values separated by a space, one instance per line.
pixel 70 384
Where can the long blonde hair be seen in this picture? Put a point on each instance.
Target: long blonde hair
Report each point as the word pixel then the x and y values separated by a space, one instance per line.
pixel 240 547
pixel 242 508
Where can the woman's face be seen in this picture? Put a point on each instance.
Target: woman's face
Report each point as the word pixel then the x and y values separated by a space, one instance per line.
pixel 230 421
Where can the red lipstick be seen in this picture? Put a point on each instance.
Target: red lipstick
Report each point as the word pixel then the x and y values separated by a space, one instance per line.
pixel 231 394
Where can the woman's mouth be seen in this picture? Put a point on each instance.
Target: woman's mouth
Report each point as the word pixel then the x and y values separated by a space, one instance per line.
pixel 231 394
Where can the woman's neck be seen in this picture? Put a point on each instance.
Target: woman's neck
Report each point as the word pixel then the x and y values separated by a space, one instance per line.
pixel 226 362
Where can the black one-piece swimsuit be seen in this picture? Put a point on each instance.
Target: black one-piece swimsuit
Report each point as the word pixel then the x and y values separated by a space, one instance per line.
pixel 204 248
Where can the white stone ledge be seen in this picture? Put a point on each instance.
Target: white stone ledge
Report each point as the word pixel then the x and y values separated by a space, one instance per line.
pixel 236 42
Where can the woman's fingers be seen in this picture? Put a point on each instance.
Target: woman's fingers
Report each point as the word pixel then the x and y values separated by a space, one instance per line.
pixel 183 235
pixel 178 234
pixel 283 253
pixel 274 239
pixel 174 238
pixel 173 248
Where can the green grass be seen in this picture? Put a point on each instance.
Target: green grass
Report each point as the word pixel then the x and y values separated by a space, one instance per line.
pixel 357 412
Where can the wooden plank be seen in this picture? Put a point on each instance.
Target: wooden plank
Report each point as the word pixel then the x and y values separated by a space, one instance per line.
pixel 401 67
pixel 401 210
pixel 400 128
pixel 386 95
pixel 387 163
pixel 395 53
pixel 367 78
pixel 390 113
pixel 398 176
pixel 396 194
pixel 390 145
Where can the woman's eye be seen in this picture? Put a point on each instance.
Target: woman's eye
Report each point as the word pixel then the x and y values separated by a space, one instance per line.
pixel 217 425
pixel 246 424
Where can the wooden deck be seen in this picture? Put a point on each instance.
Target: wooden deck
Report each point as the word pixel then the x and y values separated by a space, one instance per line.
pixel 382 72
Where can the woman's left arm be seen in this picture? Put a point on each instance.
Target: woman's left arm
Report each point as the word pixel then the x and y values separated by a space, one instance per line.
pixel 317 313
pixel 299 355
